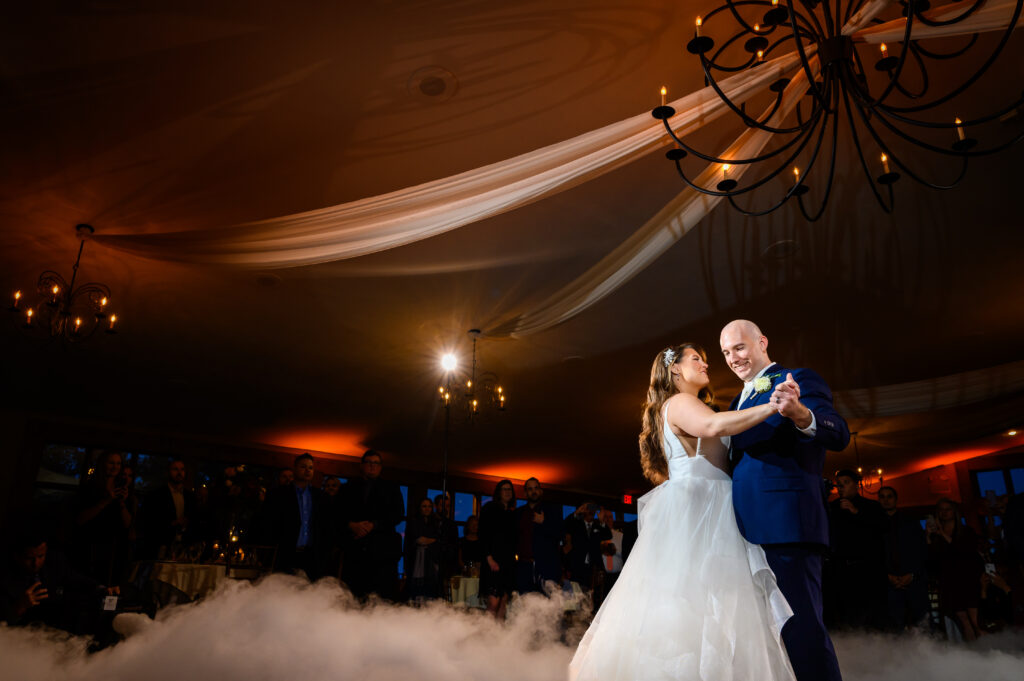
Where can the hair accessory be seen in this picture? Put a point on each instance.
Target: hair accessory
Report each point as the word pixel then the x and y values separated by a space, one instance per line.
pixel 670 357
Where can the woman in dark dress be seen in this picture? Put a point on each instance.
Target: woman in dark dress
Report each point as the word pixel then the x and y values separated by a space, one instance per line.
pixel 953 556
pixel 103 519
pixel 422 552
pixel 498 535
pixel 471 549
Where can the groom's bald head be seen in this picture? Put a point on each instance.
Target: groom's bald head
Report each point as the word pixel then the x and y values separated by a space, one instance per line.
pixel 745 348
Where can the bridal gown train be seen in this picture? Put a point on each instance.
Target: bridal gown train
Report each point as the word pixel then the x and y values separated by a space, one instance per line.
pixel 695 600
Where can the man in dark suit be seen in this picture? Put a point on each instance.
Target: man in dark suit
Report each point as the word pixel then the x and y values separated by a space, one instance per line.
pixel 169 514
pixel 777 491
pixel 298 522
pixel 906 553
pixel 371 507
pixel 583 537
pixel 538 541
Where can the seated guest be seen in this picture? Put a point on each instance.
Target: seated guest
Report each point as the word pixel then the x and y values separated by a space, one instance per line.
pixel 299 522
pixel 905 556
pixel 498 533
pixel 104 514
pixel 371 507
pixel 423 552
pixel 538 541
pixel 471 551
pixel 856 576
pixel 954 559
pixel 168 514
pixel 38 585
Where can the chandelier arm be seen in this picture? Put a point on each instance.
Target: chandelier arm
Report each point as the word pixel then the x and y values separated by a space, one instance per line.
pixel 911 47
pixel 813 22
pixel 728 69
pixel 831 172
pixel 948 55
pixel 884 115
pixel 894 75
pixel 812 85
pixel 750 122
pixel 860 152
pixel 977 74
pixel 793 188
pixel 888 111
pixel 949 22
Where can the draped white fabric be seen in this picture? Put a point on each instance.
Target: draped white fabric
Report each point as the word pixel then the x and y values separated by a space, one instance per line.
pixel 408 215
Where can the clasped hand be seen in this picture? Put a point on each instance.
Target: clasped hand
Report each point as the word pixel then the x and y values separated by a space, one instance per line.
pixel 786 399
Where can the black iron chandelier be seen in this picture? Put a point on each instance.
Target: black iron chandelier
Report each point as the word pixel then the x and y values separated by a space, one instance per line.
pixel 883 93
pixel 59 310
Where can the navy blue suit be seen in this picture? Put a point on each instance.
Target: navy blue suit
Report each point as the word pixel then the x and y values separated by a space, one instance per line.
pixel 780 504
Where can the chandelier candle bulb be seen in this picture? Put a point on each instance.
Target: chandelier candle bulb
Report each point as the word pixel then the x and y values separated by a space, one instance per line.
pixel 885 164
pixel 78 324
pixel 884 49
pixel 760 56
pixel 664 91
pixel 961 135
pixel 698 26
pixel 796 173
pixel 17 299
pixel 757 28
pixel 725 170
pixel 28 316
pixel 113 318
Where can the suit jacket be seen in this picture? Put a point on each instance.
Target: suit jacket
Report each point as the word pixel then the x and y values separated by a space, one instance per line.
pixel 546 540
pixel 281 521
pixel 156 515
pixel 382 505
pixel 777 477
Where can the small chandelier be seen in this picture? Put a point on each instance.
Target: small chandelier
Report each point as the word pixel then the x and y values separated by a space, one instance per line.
pixel 475 393
pixel 59 310
pixel 847 79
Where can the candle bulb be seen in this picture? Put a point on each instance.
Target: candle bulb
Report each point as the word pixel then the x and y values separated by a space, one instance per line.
pixel 17 299
pixel 664 91
pixel 28 316
pixel 78 324
pixel 760 56
pixel 757 28
pixel 113 318
pixel 960 129
pixel 885 164
pixel 775 3
pixel 699 22
pixel 103 303
pixel 796 173
pixel 885 50
pixel 725 170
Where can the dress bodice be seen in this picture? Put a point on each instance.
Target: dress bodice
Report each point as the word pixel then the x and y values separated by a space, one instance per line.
pixel 680 463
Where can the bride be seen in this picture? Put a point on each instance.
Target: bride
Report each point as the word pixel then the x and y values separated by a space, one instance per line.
pixel 695 600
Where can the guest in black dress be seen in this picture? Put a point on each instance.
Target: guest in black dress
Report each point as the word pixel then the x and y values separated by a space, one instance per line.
pixel 954 558
pixel 498 533
pixel 471 549
pixel 104 518
pixel 423 552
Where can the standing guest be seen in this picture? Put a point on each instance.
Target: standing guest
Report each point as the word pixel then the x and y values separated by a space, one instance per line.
pixel 37 585
pixel 423 553
pixel 332 486
pixel 297 520
pixel 855 580
pixel 168 514
pixel 371 507
pixel 538 541
pixel 332 492
pixel 448 547
pixel 471 550
pixel 610 558
pixel 954 559
pixel 498 534
pixel 285 477
pixel 583 537
pixel 104 517
pixel 905 557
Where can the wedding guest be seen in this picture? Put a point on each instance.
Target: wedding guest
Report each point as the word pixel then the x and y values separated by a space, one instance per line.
pixel 299 522
pixel 285 477
pixel 498 534
pixel 168 514
pixel 954 560
pixel 332 486
pixel 611 560
pixel 38 585
pixel 104 516
pixel 371 507
pixel 855 578
pixel 905 558
pixel 583 537
pixel 448 546
pixel 471 550
pixel 423 553
pixel 995 605
pixel 538 541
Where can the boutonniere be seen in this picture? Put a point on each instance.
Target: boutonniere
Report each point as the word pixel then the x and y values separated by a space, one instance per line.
pixel 763 384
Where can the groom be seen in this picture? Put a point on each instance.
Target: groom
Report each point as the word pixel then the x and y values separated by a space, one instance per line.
pixel 777 486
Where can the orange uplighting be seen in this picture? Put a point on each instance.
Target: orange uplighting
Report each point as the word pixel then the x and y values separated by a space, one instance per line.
pixel 339 441
pixel 520 471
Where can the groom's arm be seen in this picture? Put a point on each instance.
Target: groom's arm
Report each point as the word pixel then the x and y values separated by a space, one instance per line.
pixel 831 430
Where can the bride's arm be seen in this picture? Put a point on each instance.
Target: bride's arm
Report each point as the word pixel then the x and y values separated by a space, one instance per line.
pixel 692 416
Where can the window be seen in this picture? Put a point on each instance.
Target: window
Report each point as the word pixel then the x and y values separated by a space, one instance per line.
pixel 520 503
pixel 567 511
pixel 991 481
pixel 628 517
pixel 62 465
pixel 463 507
pixel 484 500
pixel 1017 480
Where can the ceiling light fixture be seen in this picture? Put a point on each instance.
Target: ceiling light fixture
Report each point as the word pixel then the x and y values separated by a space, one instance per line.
pixel 59 310
pixel 880 93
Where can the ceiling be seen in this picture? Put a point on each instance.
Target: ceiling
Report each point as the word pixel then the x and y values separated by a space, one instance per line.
pixel 199 115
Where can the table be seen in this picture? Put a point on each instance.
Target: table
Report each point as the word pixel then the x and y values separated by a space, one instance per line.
pixel 176 582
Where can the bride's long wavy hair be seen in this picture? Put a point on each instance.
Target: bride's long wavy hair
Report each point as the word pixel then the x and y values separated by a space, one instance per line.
pixel 652 448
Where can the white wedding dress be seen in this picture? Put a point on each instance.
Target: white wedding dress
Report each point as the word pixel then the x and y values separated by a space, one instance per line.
pixel 695 600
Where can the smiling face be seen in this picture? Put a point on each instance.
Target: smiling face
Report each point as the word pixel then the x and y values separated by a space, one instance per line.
pixel 692 370
pixel 426 508
pixel 745 349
